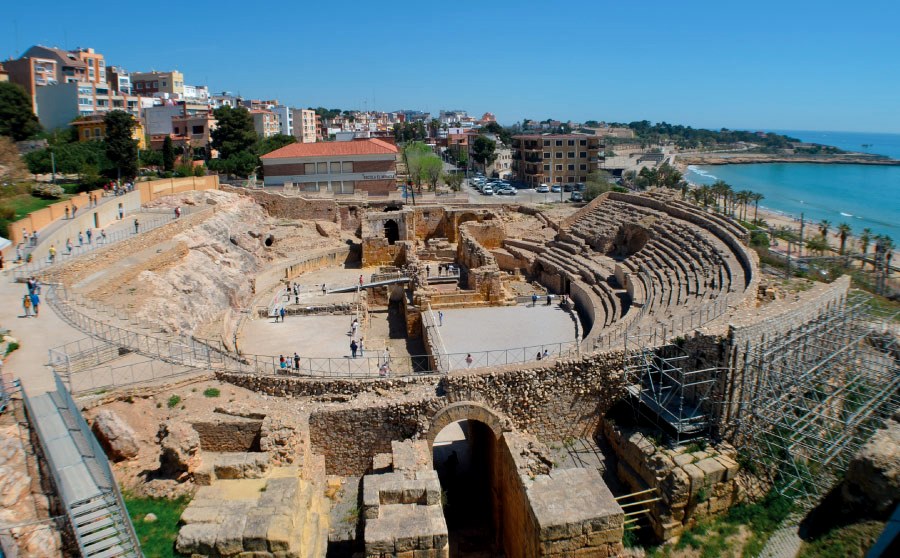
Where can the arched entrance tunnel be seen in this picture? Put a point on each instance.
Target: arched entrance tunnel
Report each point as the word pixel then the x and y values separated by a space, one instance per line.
pixel 391 231
pixel 465 454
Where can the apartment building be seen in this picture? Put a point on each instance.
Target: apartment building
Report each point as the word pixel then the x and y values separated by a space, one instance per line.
pixel 557 158
pixel 93 128
pixel 285 116
pixel 195 129
pixel 40 66
pixel 94 63
pixel 305 125
pixel 119 80
pixel 502 165
pixel 265 122
pixel 158 118
pixel 341 167
pixel 150 83
pixel 58 105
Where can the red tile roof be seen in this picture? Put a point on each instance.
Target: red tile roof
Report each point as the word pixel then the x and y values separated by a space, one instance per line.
pixel 332 148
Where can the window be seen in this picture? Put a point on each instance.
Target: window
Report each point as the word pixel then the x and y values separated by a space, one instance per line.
pixel 86 134
pixel 559 168
pixel 582 167
pixel 582 142
pixel 571 154
pixel 559 155
pixel 97 132
pixel 546 142
pixel 154 85
pixel 322 168
pixel 582 154
pixel 164 83
pixel 139 85
pixel 558 143
pixel 347 167
pixel 571 167
pixel 546 167
pixel 546 154
pixel 571 143
pixel 336 168
pixel 571 179
pixel 309 168
pixel 84 101
pixel 197 130
pixel 581 178
pixel 176 129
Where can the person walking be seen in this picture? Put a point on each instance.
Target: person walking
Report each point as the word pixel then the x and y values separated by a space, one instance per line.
pixel 67 212
pixel 121 213
pixel 468 360
pixel 80 239
pixel 360 280
pixel 546 354
pixel 137 225
pixel 353 347
pixel 387 356
pixel 539 355
pixel 52 252
pixel 533 300
pixel 281 362
pixel 103 235
pixel 74 210
pixel 24 235
pixel 26 303
pixel 361 350
pixel 69 245
pixel 549 298
pixel 440 318
pixel 354 326
pixel 324 290
pixel 34 237
pixel 296 362
pixel 90 234
pixel 35 303
pixel 281 313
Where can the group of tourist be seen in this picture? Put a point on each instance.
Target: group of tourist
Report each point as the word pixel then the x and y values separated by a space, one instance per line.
pixel 117 190
pixel 31 301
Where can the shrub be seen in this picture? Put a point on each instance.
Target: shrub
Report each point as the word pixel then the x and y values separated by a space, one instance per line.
pixel 11 347
pixel 211 392
pixel 173 401
pixel 182 171
pixel 47 191
pixel 199 170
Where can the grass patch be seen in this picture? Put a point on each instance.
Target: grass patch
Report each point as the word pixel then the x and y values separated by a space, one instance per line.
pixel 23 204
pixel 11 347
pixel 157 538
pixel 851 541
pixel 173 401
pixel 211 392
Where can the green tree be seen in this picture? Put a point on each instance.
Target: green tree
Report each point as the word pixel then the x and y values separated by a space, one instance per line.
pixel 17 120
pixel 269 144
pixel 121 147
pixel 824 225
pixel 484 152
pixel 757 197
pixel 454 181
pixel 844 231
pixel 501 132
pixel 168 154
pixel 817 244
pixel 414 155
pixel 597 183
pixel 234 133
pixel 432 168
pixel 864 239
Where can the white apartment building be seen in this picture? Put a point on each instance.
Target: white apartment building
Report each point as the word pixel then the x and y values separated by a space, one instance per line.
pixel 60 104
pixel 285 116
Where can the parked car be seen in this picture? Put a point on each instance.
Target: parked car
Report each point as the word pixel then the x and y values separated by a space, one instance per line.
pixel 568 187
pixel 556 189
pixel 542 189
pixel 577 197
pixel 487 190
pixel 579 187
pixel 506 191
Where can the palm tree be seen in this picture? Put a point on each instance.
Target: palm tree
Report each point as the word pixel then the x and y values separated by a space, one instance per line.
pixel 824 225
pixel 844 231
pixel 718 188
pixel 864 239
pixel 757 197
pixel 817 244
pixel 744 196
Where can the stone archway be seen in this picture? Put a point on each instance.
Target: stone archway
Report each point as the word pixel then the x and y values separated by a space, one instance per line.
pixel 391 231
pixel 467 410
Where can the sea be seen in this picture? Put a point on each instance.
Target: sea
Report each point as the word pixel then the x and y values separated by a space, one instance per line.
pixel 863 196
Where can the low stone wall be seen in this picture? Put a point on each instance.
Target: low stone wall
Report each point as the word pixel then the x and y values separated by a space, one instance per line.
pixel 291 207
pixel 691 484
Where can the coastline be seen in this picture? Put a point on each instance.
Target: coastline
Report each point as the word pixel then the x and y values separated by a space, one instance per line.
pixel 761 158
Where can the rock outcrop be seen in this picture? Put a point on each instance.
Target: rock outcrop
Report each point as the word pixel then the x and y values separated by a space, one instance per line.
pixel 180 445
pixel 115 435
pixel 873 477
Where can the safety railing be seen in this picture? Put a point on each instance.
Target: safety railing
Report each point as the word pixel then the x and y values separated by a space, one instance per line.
pixel 97 241
pixel 111 376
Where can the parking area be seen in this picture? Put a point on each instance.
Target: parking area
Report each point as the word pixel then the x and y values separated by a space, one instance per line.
pixel 484 190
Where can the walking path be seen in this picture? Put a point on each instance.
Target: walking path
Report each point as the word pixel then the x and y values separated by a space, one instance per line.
pixel 784 543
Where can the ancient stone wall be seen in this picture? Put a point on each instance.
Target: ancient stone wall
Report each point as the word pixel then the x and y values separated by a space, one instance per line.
pixel 292 207
pixel 552 401
pixel 691 484
pixel 231 435
pixel 429 222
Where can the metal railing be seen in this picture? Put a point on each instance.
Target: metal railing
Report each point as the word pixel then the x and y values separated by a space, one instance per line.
pixel 95 461
pixel 62 255
pixel 111 377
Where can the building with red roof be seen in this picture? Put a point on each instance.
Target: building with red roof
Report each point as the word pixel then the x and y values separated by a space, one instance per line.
pixel 343 167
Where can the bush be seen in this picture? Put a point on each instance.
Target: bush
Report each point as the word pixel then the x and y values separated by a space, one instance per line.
pixel 211 392
pixel 184 170
pixel 11 347
pixel 47 191
pixel 199 170
pixel 173 401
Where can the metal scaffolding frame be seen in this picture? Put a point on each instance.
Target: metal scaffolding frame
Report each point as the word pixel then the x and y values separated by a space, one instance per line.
pixel 819 393
pixel 669 388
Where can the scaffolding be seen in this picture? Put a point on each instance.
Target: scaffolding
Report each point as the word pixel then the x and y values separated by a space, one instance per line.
pixel 819 393
pixel 670 389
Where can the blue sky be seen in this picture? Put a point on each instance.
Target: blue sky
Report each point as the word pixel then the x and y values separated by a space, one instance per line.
pixel 792 64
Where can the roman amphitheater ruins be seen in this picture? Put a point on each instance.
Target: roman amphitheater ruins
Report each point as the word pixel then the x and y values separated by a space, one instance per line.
pixel 524 380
